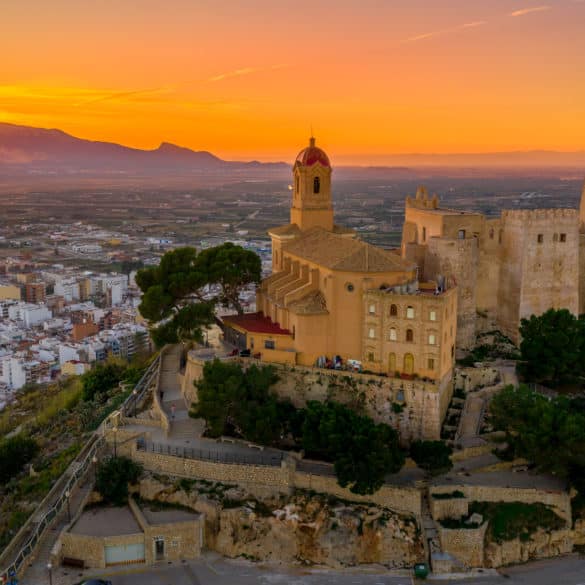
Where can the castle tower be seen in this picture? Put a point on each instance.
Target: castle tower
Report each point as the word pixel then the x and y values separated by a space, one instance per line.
pixel 312 205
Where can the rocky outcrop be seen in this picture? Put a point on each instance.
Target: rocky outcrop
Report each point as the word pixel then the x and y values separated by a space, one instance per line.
pixel 540 545
pixel 307 528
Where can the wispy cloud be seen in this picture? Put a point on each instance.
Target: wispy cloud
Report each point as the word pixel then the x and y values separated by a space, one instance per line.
pixel 525 11
pixel 244 71
pixel 445 31
pixel 123 95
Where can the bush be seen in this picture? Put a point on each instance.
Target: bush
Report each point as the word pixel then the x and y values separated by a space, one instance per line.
pixel 113 477
pixel 101 379
pixel 15 453
pixel 432 456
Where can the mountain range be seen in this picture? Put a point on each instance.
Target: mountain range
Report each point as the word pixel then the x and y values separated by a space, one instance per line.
pixel 29 155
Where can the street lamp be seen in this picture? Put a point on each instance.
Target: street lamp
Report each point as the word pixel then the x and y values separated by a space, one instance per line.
pixel 50 569
pixel 67 495
pixel 135 394
pixel 94 460
pixel 115 431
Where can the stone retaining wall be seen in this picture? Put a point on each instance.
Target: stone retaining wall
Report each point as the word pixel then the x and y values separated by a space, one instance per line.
pixel 560 502
pixel 466 544
pixel 268 480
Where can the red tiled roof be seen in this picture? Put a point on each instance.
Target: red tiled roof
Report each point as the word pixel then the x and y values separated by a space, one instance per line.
pixel 255 323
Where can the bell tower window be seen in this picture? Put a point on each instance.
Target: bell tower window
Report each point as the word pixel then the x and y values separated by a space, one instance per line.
pixel 316 185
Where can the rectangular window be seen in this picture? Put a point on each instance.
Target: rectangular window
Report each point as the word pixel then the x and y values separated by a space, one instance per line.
pixel 372 309
pixel 410 312
pixel 269 344
pixel 371 334
pixel 433 315
pixel 392 335
pixel 540 238
pixel 432 339
pixel 370 357
pixel 431 364
pixel 461 235
pixel 563 237
pixel 424 234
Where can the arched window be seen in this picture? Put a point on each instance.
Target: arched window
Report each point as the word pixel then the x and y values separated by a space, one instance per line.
pixel 391 363
pixel 392 335
pixel 408 364
pixel 409 335
pixel 275 258
pixel 491 233
pixel 316 185
pixel 393 310
pixel 296 185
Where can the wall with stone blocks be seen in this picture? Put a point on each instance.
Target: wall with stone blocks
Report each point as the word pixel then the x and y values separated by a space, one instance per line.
pixel 560 502
pixel 449 508
pixel 264 480
pixel 466 544
pixel 424 403
pixel 469 379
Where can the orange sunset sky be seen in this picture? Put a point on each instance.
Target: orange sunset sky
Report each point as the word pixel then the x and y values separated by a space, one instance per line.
pixel 247 78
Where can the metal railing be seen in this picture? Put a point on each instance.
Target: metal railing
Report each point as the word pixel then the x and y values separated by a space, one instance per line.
pixel 25 541
pixel 140 391
pixel 213 455
pixel 23 544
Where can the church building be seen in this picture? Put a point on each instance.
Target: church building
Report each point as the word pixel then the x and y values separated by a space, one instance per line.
pixel 335 300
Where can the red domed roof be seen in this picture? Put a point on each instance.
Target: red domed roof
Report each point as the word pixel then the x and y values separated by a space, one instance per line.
pixel 312 155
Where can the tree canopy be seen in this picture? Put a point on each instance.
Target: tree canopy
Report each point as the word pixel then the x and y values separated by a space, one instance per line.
pixel 180 293
pixel 548 432
pixel 113 476
pixel 15 453
pixel 553 347
pixel 239 402
pixel 100 379
pixel 432 456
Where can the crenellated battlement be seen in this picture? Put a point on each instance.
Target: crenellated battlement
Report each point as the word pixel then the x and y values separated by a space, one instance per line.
pixel 539 214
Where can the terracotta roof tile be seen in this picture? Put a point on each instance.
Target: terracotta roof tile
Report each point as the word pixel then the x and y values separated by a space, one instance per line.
pixel 344 254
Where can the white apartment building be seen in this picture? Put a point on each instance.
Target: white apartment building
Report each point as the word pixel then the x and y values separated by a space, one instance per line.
pixel 29 314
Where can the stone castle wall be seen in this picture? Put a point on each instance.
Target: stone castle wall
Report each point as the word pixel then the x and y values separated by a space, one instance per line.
pixel 539 265
pixel 423 404
pixel 457 261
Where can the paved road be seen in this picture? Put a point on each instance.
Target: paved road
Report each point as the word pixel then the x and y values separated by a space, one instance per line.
pixel 213 570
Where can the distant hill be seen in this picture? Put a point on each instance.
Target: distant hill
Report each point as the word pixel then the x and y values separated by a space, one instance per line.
pixel 26 149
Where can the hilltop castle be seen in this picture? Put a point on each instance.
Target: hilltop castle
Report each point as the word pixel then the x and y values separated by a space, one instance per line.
pixel 522 263
pixel 333 301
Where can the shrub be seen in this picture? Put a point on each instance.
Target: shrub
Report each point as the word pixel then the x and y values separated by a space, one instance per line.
pixel 15 453
pixel 113 477
pixel 432 456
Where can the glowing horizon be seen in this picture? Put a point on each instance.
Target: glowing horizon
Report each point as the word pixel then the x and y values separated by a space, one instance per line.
pixel 248 80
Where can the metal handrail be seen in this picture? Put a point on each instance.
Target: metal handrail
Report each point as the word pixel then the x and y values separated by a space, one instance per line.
pixel 76 470
pixel 215 456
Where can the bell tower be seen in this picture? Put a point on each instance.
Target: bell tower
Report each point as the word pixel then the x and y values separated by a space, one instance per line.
pixel 312 204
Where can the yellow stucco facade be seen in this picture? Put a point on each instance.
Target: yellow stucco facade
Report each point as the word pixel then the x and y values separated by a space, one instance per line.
pixel 316 307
